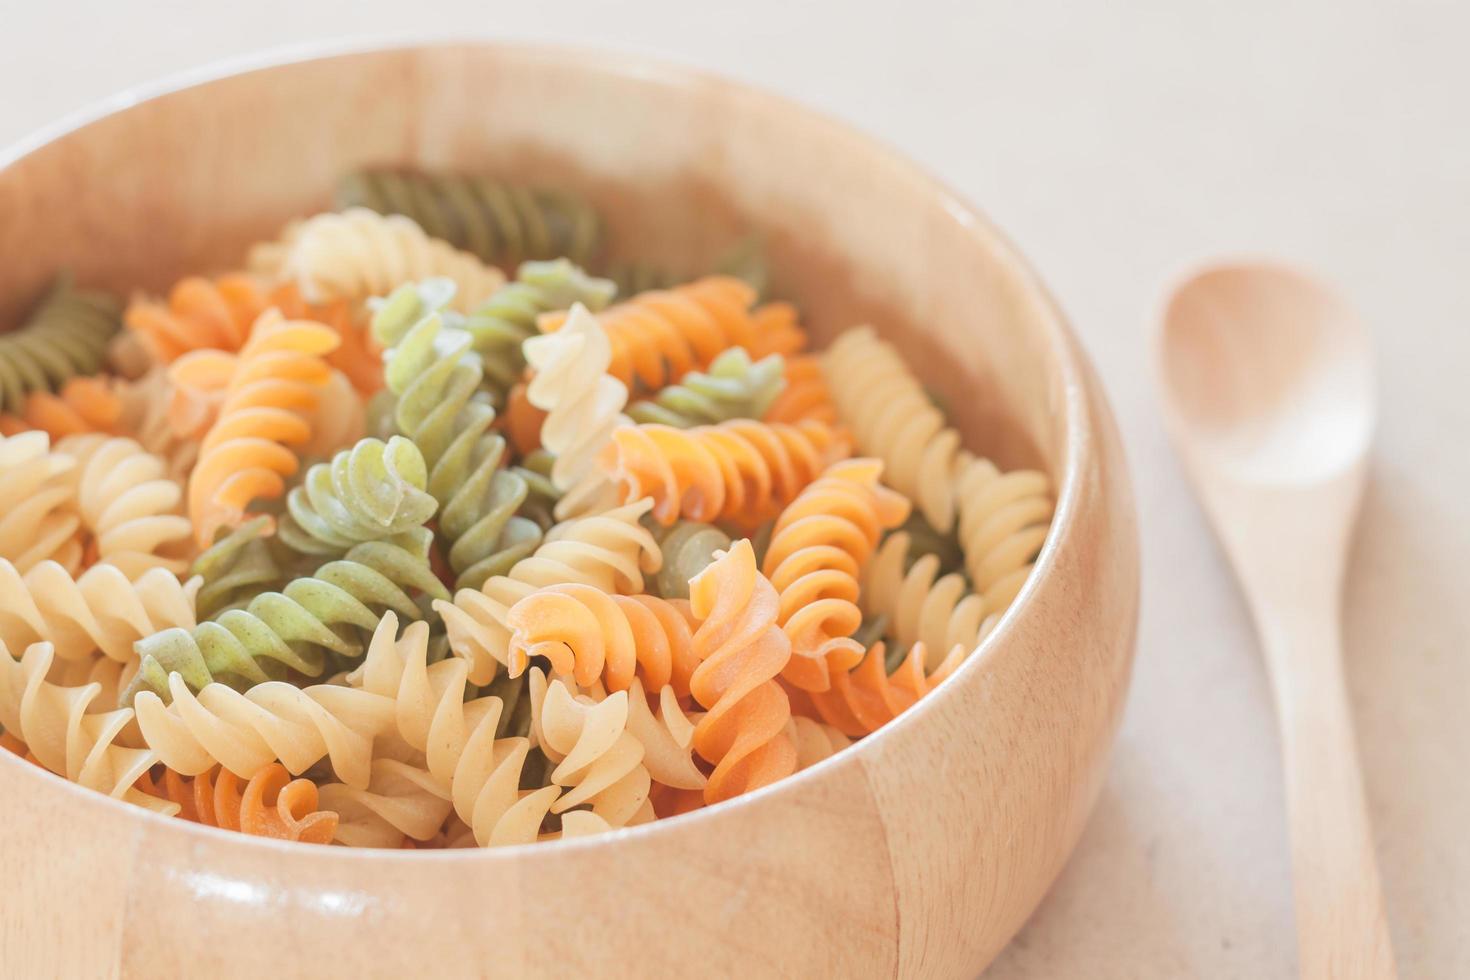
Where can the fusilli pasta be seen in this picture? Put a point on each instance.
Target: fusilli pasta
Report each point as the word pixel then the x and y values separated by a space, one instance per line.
pixel 862 701
pixel 583 404
pixel 434 377
pixel 99 612
pixel 610 551
pixel 591 636
pixel 1004 518
pixel 660 336
pixel 598 761
pixel 128 504
pixel 271 804
pixel 893 419
pixel 920 605
pixel 269 722
pixel 359 253
pixel 272 384
pixel 740 471
pixel 818 548
pixel 59 728
pixel 741 651
pixel 371 492
pixel 508 318
pixel 65 336
pixel 733 387
pixel 38 516
pixel 501 222
pixel 295 628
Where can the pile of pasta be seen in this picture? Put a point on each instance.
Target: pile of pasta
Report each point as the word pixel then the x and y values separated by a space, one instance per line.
pixel 414 532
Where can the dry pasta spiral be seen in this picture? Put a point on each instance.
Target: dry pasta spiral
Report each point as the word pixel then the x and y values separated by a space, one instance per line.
pixel 814 740
pixel 99 611
pixel 276 378
pixel 81 405
pixel 501 222
pixel 129 504
pixel 270 804
pixel 658 337
pixel 688 548
pixel 270 721
pixel 360 253
pixel 400 800
pixel 199 313
pixel 593 637
pixel 817 551
pixel 667 736
pixel 733 387
pixel 38 517
pixel 742 471
pixel 65 735
pixel 741 652
pixel 583 404
pixel 598 762
pixel 296 628
pixel 500 325
pixel 862 701
pixel 218 314
pixel 892 418
pixel 919 605
pixel 610 551
pixel 1004 518
pixel 371 492
pixel 237 567
pixel 805 394
pixel 65 336
pixel 453 754
pixel 435 378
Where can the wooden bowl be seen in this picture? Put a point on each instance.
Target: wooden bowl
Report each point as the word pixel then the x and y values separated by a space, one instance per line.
pixel 918 852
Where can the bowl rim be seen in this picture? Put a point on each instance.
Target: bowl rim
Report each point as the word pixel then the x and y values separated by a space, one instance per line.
pixel 1065 356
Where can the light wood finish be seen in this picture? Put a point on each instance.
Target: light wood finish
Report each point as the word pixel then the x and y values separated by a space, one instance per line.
pixel 1269 388
pixel 920 852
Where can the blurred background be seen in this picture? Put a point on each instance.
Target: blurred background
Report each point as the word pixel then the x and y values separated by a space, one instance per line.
pixel 1116 143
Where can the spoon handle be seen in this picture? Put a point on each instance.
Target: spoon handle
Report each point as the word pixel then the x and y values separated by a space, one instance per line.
pixel 1342 932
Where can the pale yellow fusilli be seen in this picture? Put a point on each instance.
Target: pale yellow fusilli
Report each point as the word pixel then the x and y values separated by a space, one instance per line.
pixel 1004 518
pixel 38 515
pixel 667 735
pixel 445 754
pixel 584 404
pixel 359 253
pixel 919 605
pixel 269 722
pixel 92 619
pixel 130 505
pixel 814 740
pixel 598 761
pixel 59 728
pixel 891 417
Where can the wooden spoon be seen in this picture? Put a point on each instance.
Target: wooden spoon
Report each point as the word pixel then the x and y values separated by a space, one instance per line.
pixel 1268 390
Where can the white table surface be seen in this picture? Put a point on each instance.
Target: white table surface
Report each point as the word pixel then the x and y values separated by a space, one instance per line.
pixel 1116 143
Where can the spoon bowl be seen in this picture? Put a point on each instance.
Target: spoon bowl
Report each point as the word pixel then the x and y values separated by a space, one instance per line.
pixel 1271 372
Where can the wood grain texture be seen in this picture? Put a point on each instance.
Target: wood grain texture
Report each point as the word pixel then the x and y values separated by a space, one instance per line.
pixel 920 852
